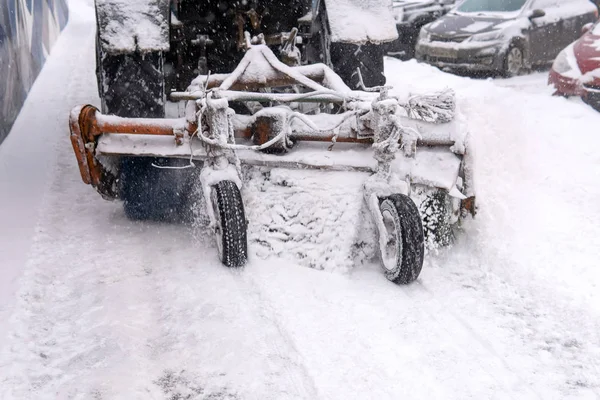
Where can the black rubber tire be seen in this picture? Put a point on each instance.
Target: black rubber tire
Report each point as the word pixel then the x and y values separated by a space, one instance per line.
pixel 156 194
pixel 346 58
pixel 130 85
pixel 229 209
pixel 506 72
pixel 411 249
pixel 133 85
pixel 593 100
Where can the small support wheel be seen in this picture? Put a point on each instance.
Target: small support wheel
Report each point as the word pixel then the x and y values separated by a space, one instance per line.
pixel 401 239
pixel 231 228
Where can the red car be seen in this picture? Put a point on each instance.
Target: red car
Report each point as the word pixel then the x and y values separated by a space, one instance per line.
pixel 576 70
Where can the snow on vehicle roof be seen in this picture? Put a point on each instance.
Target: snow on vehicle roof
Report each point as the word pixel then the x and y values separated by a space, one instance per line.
pixel 361 21
pixel 133 25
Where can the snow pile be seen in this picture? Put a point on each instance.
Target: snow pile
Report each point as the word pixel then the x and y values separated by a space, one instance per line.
pixel 313 218
pixel 133 25
pixel 361 21
pixel 532 249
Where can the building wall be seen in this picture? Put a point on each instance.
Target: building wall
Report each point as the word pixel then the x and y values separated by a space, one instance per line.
pixel 28 30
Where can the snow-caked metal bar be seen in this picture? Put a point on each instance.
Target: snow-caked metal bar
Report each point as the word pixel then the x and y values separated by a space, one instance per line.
pixel 298 117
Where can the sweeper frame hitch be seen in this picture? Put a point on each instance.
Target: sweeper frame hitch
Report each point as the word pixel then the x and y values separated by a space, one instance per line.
pixel 409 147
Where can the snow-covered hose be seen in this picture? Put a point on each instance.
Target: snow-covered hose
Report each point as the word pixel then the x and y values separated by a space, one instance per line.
pixel 283 136
pixel 312 126
pixel 385 151
pixel 233 146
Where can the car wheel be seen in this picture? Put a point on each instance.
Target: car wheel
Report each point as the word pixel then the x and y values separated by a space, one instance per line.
pixel 593 100
pixel 514 61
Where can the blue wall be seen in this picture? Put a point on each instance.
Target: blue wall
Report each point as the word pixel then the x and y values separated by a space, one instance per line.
pixel 28 30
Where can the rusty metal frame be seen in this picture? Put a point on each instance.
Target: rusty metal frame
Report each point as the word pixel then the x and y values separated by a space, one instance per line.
pixel 88 124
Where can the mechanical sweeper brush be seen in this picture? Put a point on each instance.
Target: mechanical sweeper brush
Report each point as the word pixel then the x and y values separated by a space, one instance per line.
pixel 298 117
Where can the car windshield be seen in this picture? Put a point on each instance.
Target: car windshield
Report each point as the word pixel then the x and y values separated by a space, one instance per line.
pixel 491 5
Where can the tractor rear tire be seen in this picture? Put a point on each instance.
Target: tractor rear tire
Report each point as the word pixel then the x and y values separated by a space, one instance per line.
pixel 130 85
pixel 368 58
pixel 346 58
pixel 133 86
pixel 402 254
pixel 231 227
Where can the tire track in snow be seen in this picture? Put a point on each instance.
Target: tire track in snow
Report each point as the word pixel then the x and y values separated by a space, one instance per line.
pixel 481 350
pixel 216 317
pixel 364 337
pixel 273 334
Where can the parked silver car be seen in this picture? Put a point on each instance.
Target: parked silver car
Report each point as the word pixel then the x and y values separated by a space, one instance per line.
pixel 507 36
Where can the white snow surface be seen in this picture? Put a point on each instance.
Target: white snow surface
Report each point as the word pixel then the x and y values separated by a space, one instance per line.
pixel 361 21
pixel 94 306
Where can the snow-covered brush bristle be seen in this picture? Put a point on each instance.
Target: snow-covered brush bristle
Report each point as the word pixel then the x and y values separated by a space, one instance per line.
pixel 437 107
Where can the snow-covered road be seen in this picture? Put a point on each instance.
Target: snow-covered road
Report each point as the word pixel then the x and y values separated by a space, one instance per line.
pixel 94 306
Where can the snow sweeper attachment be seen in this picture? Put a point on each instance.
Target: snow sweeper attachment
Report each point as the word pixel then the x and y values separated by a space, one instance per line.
pixel 297 117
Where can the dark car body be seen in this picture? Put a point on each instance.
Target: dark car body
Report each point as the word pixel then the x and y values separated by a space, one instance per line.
pixel 576 70
pixel 410 16
pixel 537 29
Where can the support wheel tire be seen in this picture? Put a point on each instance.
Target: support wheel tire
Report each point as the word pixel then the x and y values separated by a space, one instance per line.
pixel 402 244
pixel 231 228
pixel 514 62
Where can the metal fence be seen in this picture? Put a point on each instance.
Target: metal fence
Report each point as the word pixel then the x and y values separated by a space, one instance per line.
pixel 28 30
